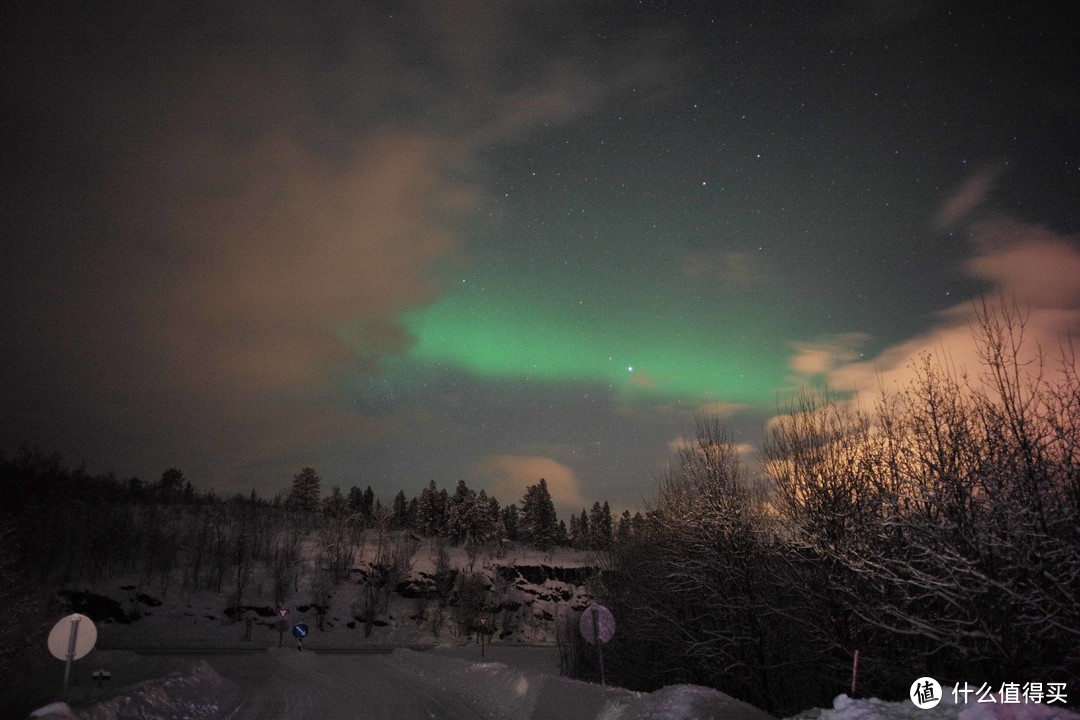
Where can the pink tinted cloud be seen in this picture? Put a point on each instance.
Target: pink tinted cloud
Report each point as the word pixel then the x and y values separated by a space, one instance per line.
pixel 967 198
pixel 822 356
pixel 1032 267
pixel 1031 263
pixel 507 476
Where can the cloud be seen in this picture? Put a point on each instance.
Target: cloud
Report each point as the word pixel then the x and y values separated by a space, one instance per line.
pixel 970 195
pixel 822 356
pixel 231 278
pixel 1031 266
pixel 506 477
pixel 745 451
pixel 222 236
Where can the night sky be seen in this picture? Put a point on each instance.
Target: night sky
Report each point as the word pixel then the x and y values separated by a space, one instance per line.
pixel 407 241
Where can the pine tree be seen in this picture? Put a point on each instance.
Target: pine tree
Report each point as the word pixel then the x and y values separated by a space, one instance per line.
pixel 367 506
pixel 412 512
pixel 400 510
pixel 427 513
pixel 355 498
pixel 336 506
pixel 600 526
pixel 442 500
pixel 460 513
pixel 583 538
pixel 469 517
pixel 510 518
pixel 171 486
pixel 624 531
pixel 539 522
pixel 304 496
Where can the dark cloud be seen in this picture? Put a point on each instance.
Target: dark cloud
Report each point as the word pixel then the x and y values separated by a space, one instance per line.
pixel 219 213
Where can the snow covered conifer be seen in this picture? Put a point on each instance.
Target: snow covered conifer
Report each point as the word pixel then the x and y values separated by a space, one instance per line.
pixel 304 495
pixel 539 522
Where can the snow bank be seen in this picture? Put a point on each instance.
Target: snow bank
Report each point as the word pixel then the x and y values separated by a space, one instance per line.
pixel 55 711
pixel 506 692
pixel 198 693
pixel 692 701
pixel 846 708
pixel 493 689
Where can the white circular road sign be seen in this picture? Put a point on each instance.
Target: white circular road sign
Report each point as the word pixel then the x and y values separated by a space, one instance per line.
pixel 72 637
pixel 597 622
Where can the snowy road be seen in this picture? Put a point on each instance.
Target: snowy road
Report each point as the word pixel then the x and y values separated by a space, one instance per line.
pixel 444 683
pixel 299 686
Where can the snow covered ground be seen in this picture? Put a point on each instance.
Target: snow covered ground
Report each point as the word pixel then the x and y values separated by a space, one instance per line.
pixel 846 708
pixel 290 685
pixel 226 677
pixel 452 683
pixel 530 601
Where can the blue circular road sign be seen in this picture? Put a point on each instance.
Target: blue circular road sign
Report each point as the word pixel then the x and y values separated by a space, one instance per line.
pixel 299 630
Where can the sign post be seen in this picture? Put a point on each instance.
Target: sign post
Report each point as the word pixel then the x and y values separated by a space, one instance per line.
pixel 482 631
pixel 71 639
pixel 597 627
pixel 100 676
pixel 282 613
pixel 300 631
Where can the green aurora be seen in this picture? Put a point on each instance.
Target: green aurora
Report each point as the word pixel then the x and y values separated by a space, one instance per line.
pixel 727 350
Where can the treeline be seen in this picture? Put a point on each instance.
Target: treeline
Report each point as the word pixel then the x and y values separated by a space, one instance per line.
pixel 75 526
pixel 66 526
pixel 936 534
pixel 466 516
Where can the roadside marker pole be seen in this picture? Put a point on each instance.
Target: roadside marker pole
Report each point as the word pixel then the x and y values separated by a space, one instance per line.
pixel 596 641
pixel 68 644
pixel 854 673
pixel 70 656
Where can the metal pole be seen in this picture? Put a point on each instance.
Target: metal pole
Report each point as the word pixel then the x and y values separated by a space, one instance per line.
pixel 599 645
pixel 70 654
pixel 854 673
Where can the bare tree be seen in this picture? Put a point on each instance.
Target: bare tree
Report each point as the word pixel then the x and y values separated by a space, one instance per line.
pixel 939 530
pixel 696 583
pixel 943 526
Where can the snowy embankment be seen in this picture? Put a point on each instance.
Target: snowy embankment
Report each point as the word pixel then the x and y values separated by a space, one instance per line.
pixel 846 708
pixel 198 693
pixel 460 687
pixel 250 677
pixel 456 686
